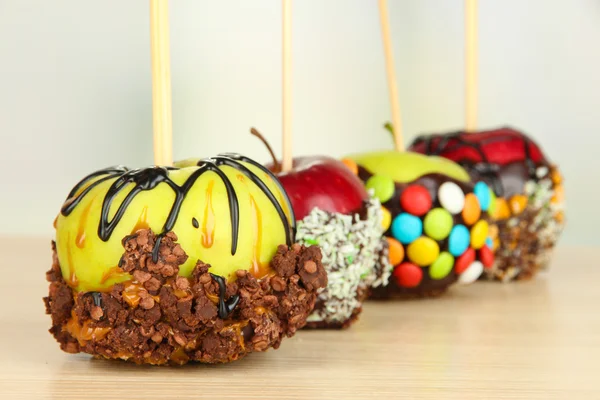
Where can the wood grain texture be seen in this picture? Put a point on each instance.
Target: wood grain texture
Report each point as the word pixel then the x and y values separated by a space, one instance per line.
pixel 531 340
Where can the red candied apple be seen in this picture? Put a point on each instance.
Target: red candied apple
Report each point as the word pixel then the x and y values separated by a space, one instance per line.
pixel 318 182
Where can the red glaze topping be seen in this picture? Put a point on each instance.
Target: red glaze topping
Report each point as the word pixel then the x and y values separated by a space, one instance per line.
pixel 499 146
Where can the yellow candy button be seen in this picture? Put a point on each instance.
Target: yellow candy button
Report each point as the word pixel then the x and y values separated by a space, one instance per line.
pixel 423 251
pixel 386 218
pixel 479 233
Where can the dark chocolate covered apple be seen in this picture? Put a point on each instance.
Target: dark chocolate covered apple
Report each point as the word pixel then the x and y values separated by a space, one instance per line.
pixel 435 221
pixel 529 215
pixel 195 262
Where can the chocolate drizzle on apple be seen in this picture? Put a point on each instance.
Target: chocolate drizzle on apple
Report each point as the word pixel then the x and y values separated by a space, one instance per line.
pixel 438 145
pixel 225 307
pixel 148 178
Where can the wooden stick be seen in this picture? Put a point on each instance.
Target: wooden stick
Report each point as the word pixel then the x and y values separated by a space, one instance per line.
pixel 391 75
pixel 161 82
pixel 287 86
pixel 471 65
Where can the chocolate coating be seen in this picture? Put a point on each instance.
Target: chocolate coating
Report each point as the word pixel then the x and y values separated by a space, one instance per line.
pixel 428 286
pixel 159 317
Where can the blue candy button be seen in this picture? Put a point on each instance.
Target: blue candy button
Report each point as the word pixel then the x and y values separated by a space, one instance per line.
pixel 459 240
pixel 489 242
pixel 482 191
pixel 407 228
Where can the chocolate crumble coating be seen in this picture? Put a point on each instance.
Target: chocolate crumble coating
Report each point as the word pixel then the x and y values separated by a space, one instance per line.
pixel 160 318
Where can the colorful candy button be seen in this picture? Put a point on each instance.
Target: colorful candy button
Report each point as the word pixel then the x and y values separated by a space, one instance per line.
pixel 451 197
pixel 496 244
pixel 493 231
pixel 352 166
pixel 492 208
pixel 482 191
pixel 459 240
pixel 556 176
pixel 501 210
pixel 382 186
pixel 472 211
pixel 415 199
pixel 438 223
pixel 463 262
pixel 423 251
pixel 406 228
pixel 559 195
pixel 489 242
pixel 442 266
pixel 395 251
pixel 386 218
pixel 486 256
pixel 479 233
pixel 408 275
pixel 471 274
pixel 517 203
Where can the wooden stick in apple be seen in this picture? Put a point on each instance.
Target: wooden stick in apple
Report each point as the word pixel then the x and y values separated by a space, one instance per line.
pixel 161 82
pixel 287 85
pixel 391 75
pixel 471 65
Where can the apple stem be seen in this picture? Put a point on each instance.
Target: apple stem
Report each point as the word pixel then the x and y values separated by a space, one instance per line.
pixel 389 127
pixel 276 164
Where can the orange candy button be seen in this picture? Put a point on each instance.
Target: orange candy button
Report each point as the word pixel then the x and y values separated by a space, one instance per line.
pixel 386 218
pixel 352 166
pixel 556 177
pixel 559 195
pixel 396 251
pixel 502 210
pixel 472 211
pixel 517 203
pixel 493 231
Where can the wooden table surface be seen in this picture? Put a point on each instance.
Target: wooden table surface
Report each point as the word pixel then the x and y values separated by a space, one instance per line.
pixel 531 340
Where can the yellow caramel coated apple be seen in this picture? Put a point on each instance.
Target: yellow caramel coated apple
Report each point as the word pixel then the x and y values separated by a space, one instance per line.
pixel 227 211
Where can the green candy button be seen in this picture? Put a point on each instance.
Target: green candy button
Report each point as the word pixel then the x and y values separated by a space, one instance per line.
pixel 383 186
pixel 442 266
pixel 492 208
pixel 438 223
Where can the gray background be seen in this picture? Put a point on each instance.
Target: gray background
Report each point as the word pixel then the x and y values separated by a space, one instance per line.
pixel 75 90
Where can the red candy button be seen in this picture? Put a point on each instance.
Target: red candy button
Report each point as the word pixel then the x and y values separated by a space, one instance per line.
pixel 415 200
pixel 486 256
pixel 408 275
pixel 463 262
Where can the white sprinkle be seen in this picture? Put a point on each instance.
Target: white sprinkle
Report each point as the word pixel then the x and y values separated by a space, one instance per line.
pixel 353 257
